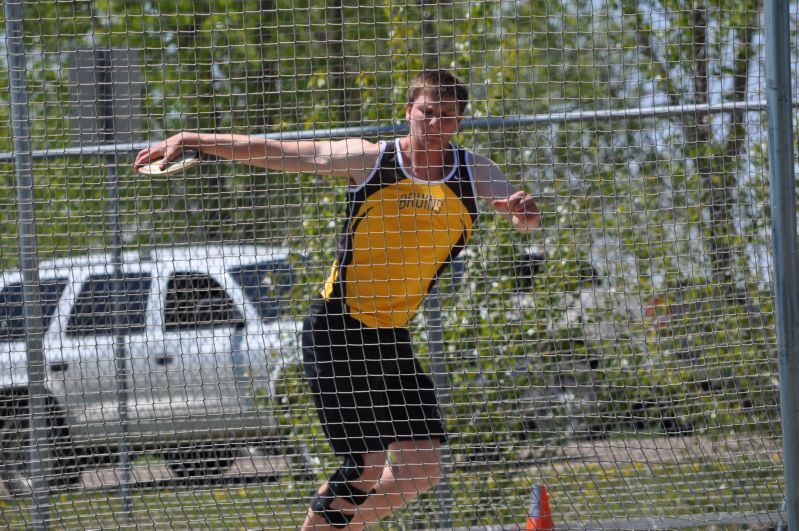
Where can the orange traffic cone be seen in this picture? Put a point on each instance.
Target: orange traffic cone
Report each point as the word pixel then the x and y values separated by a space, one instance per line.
pixel 540 516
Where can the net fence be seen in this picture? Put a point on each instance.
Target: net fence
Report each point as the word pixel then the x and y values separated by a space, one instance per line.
pixel 623 355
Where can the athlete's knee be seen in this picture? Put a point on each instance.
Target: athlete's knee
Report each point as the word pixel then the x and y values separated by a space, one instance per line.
pixel 340 486
pixel 421 465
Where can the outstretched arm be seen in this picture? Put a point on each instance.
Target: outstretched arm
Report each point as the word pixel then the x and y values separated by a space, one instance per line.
pixel 353 158
pixel 517 205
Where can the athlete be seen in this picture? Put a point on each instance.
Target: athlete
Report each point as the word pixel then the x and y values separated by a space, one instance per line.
pixel 412 206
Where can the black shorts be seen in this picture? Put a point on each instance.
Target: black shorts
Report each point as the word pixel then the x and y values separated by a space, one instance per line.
pixel 368 388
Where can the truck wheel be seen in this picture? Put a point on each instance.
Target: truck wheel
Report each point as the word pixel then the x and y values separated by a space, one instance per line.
pixel 62 469
pixel 200 462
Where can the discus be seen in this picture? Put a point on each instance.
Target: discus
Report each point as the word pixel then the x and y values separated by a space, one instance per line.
pixel 189 159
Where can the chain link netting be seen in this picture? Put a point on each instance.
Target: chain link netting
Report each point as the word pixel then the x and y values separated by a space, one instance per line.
pixel 623 354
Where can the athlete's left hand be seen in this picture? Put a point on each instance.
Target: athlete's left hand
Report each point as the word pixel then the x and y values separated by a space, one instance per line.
pixel 521 210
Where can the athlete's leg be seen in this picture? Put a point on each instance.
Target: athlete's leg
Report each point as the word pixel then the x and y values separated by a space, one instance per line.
pixel 338 374
pixel 415 452
pixel 415 467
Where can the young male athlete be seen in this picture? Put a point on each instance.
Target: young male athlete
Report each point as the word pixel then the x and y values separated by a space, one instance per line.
pixel 412 205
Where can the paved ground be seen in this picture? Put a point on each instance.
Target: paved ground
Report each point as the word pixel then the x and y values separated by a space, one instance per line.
pixel 243 470
pixel 672 449
pixel 643 450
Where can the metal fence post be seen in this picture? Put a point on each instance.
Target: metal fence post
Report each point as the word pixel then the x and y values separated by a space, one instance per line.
pixel 443 385
pixel 786 262
pixel 105 92
pixel 438 368
pixel 29 264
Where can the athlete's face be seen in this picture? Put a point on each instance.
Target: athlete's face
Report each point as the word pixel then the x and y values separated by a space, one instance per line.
pixel 432 121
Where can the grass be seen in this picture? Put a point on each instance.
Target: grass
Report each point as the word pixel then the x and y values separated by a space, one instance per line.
pixel 481 496
pixel 270 507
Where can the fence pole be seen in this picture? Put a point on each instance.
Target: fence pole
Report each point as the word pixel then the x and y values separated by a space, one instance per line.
pixel 469 124
pixel 29 264
pixel 786 263
pixel 105 92
pixel 443 386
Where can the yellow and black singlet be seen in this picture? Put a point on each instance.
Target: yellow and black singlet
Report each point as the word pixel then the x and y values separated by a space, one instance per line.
pixel 400 234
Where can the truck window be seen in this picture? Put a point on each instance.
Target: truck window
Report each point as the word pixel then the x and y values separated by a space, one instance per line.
pixel 93 313
pixel 195 300
pixel 12 310
pixel 264 284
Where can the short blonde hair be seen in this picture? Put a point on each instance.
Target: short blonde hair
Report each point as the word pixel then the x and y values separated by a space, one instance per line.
pixel 443 84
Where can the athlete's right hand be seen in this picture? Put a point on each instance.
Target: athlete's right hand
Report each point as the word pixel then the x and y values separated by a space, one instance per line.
pixel 164 151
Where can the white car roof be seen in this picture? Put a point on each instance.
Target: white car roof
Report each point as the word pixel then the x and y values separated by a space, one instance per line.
pixel 215 256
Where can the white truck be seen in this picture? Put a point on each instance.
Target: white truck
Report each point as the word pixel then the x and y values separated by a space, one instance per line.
pixel 200 331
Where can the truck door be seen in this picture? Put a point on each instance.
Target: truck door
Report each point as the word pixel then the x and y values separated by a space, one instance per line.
pixel 199 321
pixel 89 339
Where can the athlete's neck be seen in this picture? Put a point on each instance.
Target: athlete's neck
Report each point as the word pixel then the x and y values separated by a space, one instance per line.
pixel 425 162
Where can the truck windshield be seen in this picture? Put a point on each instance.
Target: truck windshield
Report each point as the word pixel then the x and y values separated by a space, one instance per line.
pixel 265 284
